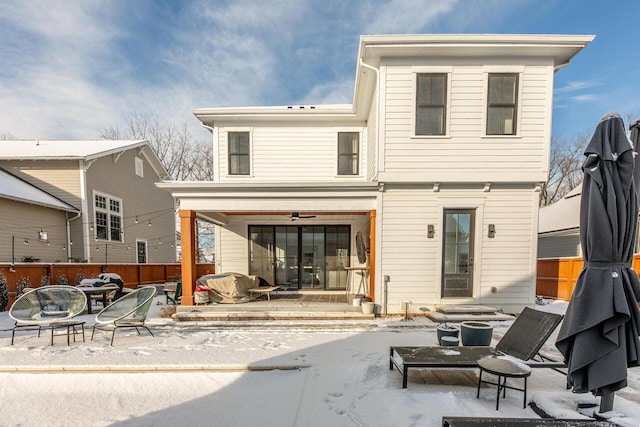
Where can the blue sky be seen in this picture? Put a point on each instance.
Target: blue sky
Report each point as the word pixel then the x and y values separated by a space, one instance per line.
pixel 70 69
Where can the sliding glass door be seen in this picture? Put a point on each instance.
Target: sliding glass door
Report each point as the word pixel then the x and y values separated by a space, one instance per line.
pixel 300 257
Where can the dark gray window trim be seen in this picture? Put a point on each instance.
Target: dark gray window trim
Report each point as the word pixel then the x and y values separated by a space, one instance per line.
pixel 432 106
pixel 514 105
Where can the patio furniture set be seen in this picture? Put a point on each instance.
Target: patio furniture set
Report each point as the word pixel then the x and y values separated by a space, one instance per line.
pixel 57 307
pixel 512 358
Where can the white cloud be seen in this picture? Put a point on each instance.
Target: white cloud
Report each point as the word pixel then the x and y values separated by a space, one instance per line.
pixel 587 97
pixel 576 85
pixel 405 16
pixel 77 67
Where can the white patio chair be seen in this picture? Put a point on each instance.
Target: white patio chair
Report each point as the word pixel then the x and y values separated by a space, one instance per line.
pixel 46 306
pixel 130 311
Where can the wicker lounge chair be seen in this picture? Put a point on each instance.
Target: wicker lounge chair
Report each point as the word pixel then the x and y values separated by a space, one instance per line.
pixel 130 311
pixel 47 307
pixel 523 340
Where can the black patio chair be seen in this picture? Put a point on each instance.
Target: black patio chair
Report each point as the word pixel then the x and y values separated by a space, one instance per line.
pixel 523 340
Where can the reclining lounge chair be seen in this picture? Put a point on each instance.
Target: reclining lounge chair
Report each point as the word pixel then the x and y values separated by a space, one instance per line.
pixel 523 340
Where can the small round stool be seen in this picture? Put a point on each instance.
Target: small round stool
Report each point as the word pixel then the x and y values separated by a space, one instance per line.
pixel 503 369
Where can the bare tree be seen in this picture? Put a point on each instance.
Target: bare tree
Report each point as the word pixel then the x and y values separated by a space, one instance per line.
pixel 565 168
pixel 6 136
pixel 184 158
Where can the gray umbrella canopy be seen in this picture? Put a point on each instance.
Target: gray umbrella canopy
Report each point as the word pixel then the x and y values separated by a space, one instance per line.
pixel 599 335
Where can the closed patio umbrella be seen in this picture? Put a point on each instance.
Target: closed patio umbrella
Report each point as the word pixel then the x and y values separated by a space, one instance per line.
pixel 599 337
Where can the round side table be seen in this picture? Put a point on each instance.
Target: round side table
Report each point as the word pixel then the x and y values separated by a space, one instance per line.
pixel 503 369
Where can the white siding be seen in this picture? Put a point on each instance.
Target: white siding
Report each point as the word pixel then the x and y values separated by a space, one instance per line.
pixel 372 141
pixel 233 240
pixel 466 149
pixel 413 261
pixel 292 152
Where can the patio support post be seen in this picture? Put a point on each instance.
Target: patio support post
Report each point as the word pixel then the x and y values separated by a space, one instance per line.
pixel 372 254
pixel 188 260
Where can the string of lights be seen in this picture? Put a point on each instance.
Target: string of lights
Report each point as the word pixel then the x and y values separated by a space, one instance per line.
pixel 42 235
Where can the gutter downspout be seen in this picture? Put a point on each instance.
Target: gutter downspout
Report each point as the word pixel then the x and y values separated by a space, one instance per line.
pixel 86 237
pixel 216 237
pixel 377 71
pixel 379 208
pixel 78 215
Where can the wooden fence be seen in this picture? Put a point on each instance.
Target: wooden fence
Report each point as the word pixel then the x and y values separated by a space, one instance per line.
pixel 557 277
pixel 133 275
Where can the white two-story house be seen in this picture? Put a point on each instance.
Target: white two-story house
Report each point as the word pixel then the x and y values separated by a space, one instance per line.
pixel 436 166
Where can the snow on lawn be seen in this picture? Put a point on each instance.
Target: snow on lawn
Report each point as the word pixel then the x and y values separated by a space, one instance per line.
pixel 209 375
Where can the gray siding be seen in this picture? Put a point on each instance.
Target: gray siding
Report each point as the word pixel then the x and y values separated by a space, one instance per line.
pixel 24 221
pixel 559 246
pixel 140 197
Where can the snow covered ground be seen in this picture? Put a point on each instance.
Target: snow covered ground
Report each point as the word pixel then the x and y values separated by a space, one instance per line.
pixel 284 375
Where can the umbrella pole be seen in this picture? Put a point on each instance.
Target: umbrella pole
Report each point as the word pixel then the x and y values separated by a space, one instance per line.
pixel 606 402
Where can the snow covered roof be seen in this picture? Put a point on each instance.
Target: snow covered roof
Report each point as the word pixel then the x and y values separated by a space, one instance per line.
pixel 14 188
pixel 64 149
pixel 77 150
pixel 563 215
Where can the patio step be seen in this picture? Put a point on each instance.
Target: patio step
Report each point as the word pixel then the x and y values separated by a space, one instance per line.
pixel 271 310
pixel 199 316
pixel 466 313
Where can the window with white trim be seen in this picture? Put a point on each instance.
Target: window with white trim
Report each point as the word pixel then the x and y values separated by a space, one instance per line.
pixel 348 153
pixel 502 103
pixel 141 251
pixel 239 153
pixel 139 167
pixel 431 104
pixel 108 217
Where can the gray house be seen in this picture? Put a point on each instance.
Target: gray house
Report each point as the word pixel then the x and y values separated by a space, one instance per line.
pixel 25 207
pixel 559 227
pixel 102 204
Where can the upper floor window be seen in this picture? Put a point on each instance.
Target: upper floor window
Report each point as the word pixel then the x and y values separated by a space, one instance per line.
pixel 431 104
pixel 139 167
pixel 239 147
pixel 502 104
pixel 348 153
pixel 108 217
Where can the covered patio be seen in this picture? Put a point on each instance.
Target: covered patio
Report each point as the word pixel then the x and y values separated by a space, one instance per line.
pixel 301 237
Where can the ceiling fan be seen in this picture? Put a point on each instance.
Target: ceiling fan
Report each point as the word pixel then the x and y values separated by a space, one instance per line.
pixel 296 215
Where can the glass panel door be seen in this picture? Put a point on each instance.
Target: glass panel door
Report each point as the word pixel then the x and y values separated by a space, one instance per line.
pixel 457 265
pixel 337 258
pixel 286 256
pixel 301 256
pixel 261 253
pixel 312 266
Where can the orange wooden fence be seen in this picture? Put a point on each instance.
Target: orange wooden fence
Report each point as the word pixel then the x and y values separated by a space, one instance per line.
pixel 133 275
pixel 557 277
